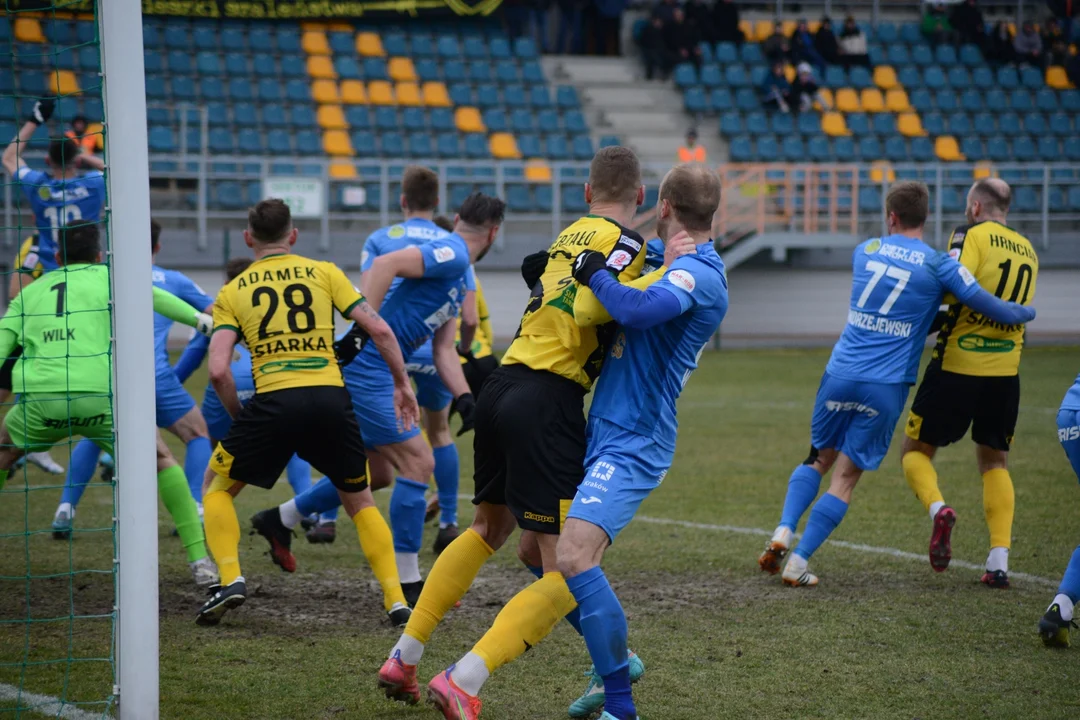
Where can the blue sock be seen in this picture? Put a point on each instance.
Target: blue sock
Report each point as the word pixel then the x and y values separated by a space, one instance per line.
pixel 1070 583
pixel 407 507
pixel 84 458
pixel 446 482
pixel 574 616
pixel 603 624
pixel 802 488
pixel 196 459
pixel 827 513
pixel 298 473
pixel 320 497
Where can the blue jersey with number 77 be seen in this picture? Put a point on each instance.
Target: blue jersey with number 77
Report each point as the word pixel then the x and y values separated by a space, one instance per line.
pixel 897 286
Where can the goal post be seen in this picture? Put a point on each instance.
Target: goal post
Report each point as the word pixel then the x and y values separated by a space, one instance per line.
pixel 128 212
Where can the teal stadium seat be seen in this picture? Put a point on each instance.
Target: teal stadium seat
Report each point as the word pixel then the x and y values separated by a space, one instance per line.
pixel 835 77
pixel 447 145
pixel 959 123
pixel 573 120
pixel 731 124
pixel 461 94
pixel 946 100
pixel 539 97
pixel 711 76
pixel 782 124
pixel 211 88
pixel 958 78
pixel 566 96
pixel 793 149
pixel 236 64
pixel 475 48
pixel 288 39
pixel 495 119
pixel 1046 100
pixel 161 140
pixel 809 123
pixel 1008 124
pixel 819 150
pixel 896 149
pixel 934 78
pixel 582 147
pixel 505 73
pixel 499 48
pixel 532 73
pixel 488 96
pixel 205 38
pixel 453 70
pixel 685 75
pixel 522 120
pixel 972 100
pixel 179 63
pixel 395 46
pixel 1031 77
pixel 476 146
pixel 768 149
pixel 909 77
pixel 868 149
pixel 1074 198
pixel 412 118
pixel 746 99
pixel 720 99
pixel 183 88
pixel 922 55
pixel 1070 101
pixel 922 149
pixel 727 53
pixel 263 65
pixel 525 48
pixel 945 55
pixel 736 76
pixel 741 149
pixel 250 141
pixel 972 148
pixel 609 141
pixel 921 100
pixel 694 100
pixel 421 145
pixel 887 33
pixel 706 51
pixel 757 123
pixel 293 66
pixel 177 36
pixel 860 78
pixel 1020 101
pixel 751 54
pixel 244 114
pixel 303 116
pixel 910 33
pixel 1026 199
pixel 1072 149
pixel 375 69
pixel 347 68
pixel 998 150
pixel 982 77
pixel 307 143
pixel 447 46
pixel 884 124
pixel 1024 149
pixel 984 124
pixel 1035 123
pixel 479 71
pixel 1060 124
pixel 898 55
pixel 870 200
pixel 844 149
pixel 518 198
pixel 970 55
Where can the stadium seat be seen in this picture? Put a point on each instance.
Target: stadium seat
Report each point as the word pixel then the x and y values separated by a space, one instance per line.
pixel 582 147
pixel 983 124
pixel 1031 77
pixel 1020 101
pixel 1072 149
pixel 809 123
pixel 922 150
pixel 331 117
pixel 532 73
pixel 392 145
pixel 731 124
pixel 768 149
pixel 910 125
pixel 1048 148
pixel 476 146
pixel 1026 199
pixel 921 100
pixel 959 123
pixel 884 124
pixel 868 148
pixel 380 92
pixel 573 120
pixel 1008 78
pixel 1024 149
pixel 353 92
pixel 860 78
pixel 1046 100
pixel 872 101
pixel 344 66
pixel 793 149
pixel 161 140
pixel 857 123
pixel 885 77
pixel 972 148
pixel 782 124
pixel 205 38
pixel 970 55
pixel 357 116
pixel 478 71
pixel 934 78
pixel 818 149
pixel 711 77
pixel 835 77
pixel 746 99
pixel 314 42
pixel 325 91
pixel 321 66
pixel 741 149
pixel 958 78
pixel 1035 123
pixel 1060 124
pixel 522 120
pixel 434 94
pixel 997 149
pixel 947 149
pixel 408 94
pixel 898 55
pixel 726 53
pixel 896 149
pixel 694 100
pixel 1057 79
pixel 474 47
pixel 945 55
pixel 751 54
pixel 1070 101
pixel 503 146
pixel 505 72
pixel 982 78
pixel 447 145
pixel 922 55
pixel 566 97
pixel 870 200
pixel 1009 124
pixel 495 120
pixel 525 48
pixel 375 69
pixel 685 75
pixel 847 100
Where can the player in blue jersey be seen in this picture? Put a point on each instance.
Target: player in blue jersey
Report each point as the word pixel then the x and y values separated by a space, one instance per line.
pixel 1055 623
pixel 897 286
pixel 422 306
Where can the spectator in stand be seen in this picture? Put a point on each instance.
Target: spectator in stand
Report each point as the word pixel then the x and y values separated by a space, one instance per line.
pixel 691 151
pixel 776 89
pixel 1028 46
pixel 936 26
pixel 665 10
pixel 1065 11
pixel 609 15
pixel 725 22
pixel 571 38
pixel 776 47
pixel 805 91
pixel 699 15
pixel 1072 69
pixel 802 47
pixel 853 45
pixel 87 143
pixel 967 20
pixel 1000 49
pixel 1054 43
pixel 658 61
pixel 825 42
pixel 683 40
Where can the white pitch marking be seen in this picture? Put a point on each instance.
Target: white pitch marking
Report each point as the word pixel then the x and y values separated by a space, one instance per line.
pixel 45 705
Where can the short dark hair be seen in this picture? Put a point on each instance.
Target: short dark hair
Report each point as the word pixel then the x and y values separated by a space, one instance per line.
pixel 420 186
pixel 614 175
pixel 269 220
pixel 994 193
pixel 79 119
pixel 693 191
pixel 80 242
pixel 63 151
pixel 444 222
pixel 480 210
pixel 910 201
pixel 235 266
pixel 155 233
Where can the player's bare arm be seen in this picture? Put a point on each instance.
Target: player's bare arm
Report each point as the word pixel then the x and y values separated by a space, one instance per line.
pixel 40 115
pixel 406 263
pixel 404 400
pixel 470 321
pixel 91 161
pixel 447 362
pixel 219 364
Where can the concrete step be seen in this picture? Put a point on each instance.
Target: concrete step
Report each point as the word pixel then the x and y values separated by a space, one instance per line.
pixel 628 96
pixel 579 71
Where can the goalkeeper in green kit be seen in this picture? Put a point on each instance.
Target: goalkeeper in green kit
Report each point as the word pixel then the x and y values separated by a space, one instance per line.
pixel 64 376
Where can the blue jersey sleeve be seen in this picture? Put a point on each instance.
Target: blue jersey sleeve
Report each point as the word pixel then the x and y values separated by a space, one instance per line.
pixel 372 249
pixel 958 280
pixel 94 181
pixel 692 282
pixel 470 279
pixel 192 356
pixel 31 180
pixel 192 294
pixel 445 258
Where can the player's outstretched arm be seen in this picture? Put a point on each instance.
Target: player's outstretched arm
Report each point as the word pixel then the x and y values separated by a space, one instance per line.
pixel 961 283
pixel 192 357
pixel 407 263
pixel 368 320
pixel 627 306
pixel 12 161
pixel 448 366
pixel 222 345
pixel 172 307
pixel 91 161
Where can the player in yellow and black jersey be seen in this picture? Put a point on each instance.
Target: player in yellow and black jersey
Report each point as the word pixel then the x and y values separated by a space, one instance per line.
pixel 972 379
pixel 27 269
pixel 283 308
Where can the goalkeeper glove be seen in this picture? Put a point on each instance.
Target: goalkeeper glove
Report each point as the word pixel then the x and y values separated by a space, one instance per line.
pixel 204 324
pixel 43 110
pixel 587 264
pixel 350 345
pixel 465 406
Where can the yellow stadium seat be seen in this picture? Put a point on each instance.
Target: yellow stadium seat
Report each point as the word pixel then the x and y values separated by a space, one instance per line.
pixel 503 146
pixel 342 171
pixel 63 82
pixel 340 27
pixel 882 171
pixel 827 98
pixel 537 171
pixel 896 100
pixel 381 92
pixel 353 92
pixel 467 119
pixel 885 77
pixel 313 26
pixel 847 100
pixel 789 27
pixel 747 28
pixel 910 125
pixel 946 148
pixel 28 30
pixel 331 117
pixel 1057 79
pixel 983 170
pixel 401 69
pixel 833 124
pixel 435 94
pixel 814 26
pixel 408 93
pixel 325 91
pixel 872 100
pixel 369 44
pixel 320 66
pixel 762 30
pixel 314 42
pixel 789 73
pixel 336 143
pixel 98 131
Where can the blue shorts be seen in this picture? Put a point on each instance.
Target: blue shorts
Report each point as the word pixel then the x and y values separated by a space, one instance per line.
pixel 857 418
pixel 1069 435
pixel 621 469
pixel 430 391
pixel 372 389
pixel 172 400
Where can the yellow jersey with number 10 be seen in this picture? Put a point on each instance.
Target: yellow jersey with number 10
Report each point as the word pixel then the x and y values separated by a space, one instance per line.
pixel 283 307
pixel 1005 264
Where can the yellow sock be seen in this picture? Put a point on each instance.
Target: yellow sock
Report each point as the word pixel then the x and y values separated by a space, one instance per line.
pixel 222 533
pixel 378 546
pixel 450 578
pixel 999 502
pixel 921 476
pixel 525 620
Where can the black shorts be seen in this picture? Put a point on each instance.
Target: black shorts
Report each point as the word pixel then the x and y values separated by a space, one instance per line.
pixel 8 366
pixel 477 371
pixel 317 423
pixel 947 403
pixel 529 445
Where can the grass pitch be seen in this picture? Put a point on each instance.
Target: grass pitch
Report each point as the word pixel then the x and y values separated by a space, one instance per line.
pixel 882 636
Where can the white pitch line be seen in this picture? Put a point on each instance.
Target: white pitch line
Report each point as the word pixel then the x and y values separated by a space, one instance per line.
pixel 45 705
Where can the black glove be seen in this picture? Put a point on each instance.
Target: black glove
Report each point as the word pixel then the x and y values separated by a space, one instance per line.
pixel 533 266
pixel 350 345
pixel 43 110
pixel 465 406
pixel 587 264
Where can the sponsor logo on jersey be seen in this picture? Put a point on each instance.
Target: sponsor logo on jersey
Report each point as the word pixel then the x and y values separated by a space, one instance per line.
pixel 966 276
pixel 981 344
pixel 618 346
pixel 683 279
pixel 602 471
pixel 443 254
pixel 396 231
pixel 619 260
pixel 849 406
pixel 873 246
pixel 590 500
pixel 44 193
pixel 535 517
pixel 424 233
pixel 630 242
pixel 1069 433
pixel 596 485
pixel 75 421
pixel 903 254
pixel 954 253
pixel 958 237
